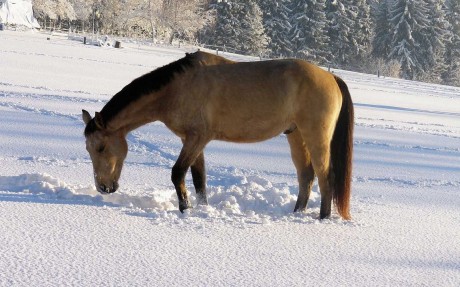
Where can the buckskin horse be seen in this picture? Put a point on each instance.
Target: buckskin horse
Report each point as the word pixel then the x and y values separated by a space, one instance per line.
pixel 203 97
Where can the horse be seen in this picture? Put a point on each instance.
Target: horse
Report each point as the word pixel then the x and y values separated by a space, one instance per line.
pixel 204 97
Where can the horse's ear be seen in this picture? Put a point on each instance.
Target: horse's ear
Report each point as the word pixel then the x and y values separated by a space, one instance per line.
pixel 86 116
pixel 99 121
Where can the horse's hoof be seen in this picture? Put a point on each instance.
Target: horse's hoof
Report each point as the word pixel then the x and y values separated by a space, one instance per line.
pixel 324 215
pixel 201 199
pixel 300 210
pixel 182 209
pixel 184 206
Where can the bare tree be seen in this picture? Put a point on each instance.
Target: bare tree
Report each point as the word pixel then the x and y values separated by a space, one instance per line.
pixel 53 9
pixel 153 12
pixel 82 8
pixel 182 18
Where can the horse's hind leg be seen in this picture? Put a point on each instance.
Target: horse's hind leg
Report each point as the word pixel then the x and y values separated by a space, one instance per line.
pixel 199 179
pixel 305 174
pixel 320 155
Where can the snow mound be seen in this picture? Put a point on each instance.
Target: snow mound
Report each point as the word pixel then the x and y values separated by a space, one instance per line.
pixel 250 200
pixel 42 186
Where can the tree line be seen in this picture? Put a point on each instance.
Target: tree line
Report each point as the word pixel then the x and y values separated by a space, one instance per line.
pixel 413 39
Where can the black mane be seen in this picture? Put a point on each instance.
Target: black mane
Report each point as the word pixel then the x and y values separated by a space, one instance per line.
pixel 142 86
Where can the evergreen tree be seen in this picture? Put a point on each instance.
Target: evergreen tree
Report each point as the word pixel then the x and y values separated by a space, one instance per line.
pixel 339 20
pixel 434 38
pixel 408 19
pixel 206 34
pixel 308 34
pixel 252 37
pixel 277 27
pixel 239 27
pixel 226 30
pixel 452 57
pixel 381 43
pixel 349 30
pixel 362 30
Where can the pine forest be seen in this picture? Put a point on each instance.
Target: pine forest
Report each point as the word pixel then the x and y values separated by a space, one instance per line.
pixel 411 39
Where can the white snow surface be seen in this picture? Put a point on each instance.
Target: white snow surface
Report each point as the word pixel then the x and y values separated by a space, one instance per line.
pixel 56 230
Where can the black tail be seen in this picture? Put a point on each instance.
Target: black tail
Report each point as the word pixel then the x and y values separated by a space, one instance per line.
pixel 342 153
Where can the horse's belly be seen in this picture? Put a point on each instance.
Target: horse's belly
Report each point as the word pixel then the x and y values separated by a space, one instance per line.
pixel 241 114
pixel 249 132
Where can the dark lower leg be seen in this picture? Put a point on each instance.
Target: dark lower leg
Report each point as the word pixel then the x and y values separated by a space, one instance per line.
pixel 326 203
pixel 326 199
pixel 191 151
pixel 199 179
pixel 178 179
pixel 305 183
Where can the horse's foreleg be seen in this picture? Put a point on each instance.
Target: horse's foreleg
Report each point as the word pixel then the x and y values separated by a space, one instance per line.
pixel 191 149
pixel 199 179
pixel 177 177
pixel 305 174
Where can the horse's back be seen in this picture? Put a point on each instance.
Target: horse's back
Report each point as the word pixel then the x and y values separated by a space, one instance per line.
pixel 273 87
pixel 253 101
pixel 267 76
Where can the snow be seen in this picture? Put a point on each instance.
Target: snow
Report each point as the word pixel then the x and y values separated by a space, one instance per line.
pixel 18 12
pixel 55 229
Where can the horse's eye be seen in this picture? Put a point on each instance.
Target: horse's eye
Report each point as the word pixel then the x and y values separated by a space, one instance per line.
pixel 100 149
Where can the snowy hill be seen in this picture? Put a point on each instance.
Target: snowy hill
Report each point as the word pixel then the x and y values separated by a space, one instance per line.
pixel 56 230
pixel 17 12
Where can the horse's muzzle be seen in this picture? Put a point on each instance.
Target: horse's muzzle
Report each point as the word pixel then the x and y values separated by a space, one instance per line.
pixel 107 189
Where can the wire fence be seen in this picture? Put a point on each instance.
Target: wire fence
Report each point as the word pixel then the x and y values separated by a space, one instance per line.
pixel 233 50
pixel 379 69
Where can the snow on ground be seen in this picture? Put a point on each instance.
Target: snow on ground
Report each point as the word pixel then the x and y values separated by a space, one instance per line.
pixel 56 230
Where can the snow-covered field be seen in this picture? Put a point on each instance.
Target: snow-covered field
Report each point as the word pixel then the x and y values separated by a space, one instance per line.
pixel 56 230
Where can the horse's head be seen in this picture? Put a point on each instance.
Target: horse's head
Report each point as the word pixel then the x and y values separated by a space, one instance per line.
pixel 107 150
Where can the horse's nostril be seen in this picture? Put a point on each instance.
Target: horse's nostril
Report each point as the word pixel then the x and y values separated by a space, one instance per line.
pixel 103 189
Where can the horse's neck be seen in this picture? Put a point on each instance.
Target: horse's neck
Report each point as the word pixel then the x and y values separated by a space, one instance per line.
pixel 144 110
